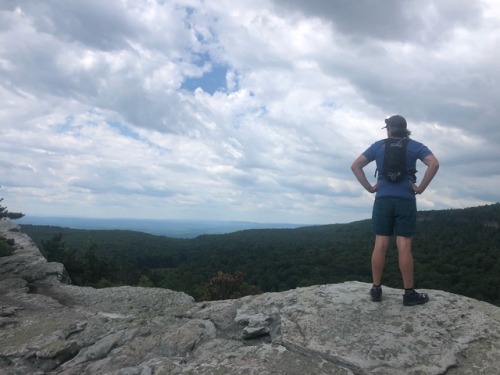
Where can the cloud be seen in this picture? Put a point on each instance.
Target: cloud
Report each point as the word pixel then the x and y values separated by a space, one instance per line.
pixel 249 110
pixel 405 21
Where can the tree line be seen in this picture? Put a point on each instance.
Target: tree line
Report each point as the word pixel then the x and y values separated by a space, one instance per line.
pixel 455 250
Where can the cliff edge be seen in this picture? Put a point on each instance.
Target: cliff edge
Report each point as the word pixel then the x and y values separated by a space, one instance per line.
pixel 50 327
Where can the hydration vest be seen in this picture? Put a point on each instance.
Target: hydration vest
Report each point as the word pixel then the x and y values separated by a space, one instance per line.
pixel 394 166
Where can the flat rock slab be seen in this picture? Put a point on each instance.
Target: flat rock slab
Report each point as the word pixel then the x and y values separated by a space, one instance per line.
pixel 337 326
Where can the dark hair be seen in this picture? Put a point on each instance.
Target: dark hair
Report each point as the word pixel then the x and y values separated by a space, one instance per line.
pixel 400 132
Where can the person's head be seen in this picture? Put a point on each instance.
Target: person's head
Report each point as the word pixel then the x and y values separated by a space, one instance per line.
pixel 396 126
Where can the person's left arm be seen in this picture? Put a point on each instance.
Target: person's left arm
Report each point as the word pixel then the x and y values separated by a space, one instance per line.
pixel 432 167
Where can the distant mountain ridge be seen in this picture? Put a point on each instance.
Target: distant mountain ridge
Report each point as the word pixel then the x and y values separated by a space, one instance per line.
pixel 170 228
pixel 487 215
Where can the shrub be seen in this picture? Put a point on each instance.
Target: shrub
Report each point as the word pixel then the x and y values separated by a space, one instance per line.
pixel 228 286
pixel 6 247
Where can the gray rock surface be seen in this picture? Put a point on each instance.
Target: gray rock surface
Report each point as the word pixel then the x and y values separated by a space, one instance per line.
pixel 50 327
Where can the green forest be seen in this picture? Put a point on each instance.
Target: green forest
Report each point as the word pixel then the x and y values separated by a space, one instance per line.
pixel 456 250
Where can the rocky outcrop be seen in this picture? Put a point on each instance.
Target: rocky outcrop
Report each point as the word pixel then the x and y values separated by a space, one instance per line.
pixel 50 327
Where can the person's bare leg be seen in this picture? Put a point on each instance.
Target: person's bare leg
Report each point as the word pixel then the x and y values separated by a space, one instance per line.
pixel 405 260
pixel 378 258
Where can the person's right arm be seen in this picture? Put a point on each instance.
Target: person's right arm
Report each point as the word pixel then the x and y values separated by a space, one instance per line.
pixel 357 168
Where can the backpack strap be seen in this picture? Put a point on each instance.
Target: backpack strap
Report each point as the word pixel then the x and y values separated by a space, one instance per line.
pixel 413 171
pixel 387 143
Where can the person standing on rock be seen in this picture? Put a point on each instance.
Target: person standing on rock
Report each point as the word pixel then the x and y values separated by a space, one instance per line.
pixel 395 209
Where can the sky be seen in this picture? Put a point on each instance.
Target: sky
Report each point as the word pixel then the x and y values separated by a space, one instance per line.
pixel 248 110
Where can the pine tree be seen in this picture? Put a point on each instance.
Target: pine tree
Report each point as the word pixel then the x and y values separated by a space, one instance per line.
pixel 4 213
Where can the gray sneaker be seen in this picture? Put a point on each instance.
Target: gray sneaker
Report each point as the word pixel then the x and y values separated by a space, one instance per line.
pixel 376 293
pixel 415 298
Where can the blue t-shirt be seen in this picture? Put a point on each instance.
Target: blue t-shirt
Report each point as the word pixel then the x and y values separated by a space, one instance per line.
pixel 402 189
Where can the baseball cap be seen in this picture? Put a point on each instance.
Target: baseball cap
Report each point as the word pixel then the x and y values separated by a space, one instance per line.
pixel 395 121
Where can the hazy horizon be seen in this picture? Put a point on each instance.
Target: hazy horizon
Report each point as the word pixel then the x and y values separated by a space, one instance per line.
pixel 183 228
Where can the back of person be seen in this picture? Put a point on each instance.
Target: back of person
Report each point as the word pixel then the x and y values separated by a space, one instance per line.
pixel 395 210
pixel 403 189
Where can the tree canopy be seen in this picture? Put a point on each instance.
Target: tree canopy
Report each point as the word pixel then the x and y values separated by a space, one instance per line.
pixel 454 250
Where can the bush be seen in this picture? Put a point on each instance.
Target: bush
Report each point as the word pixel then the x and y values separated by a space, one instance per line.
pixel 6 247
pixel 228 286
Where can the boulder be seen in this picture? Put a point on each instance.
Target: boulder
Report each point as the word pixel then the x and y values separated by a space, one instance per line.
pixel 50 327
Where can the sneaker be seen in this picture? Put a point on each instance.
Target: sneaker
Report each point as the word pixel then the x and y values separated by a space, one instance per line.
pixel 414 298
pixel 376 293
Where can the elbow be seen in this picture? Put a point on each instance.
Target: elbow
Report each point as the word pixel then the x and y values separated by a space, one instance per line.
pixel 436 165
pixel 432 163
pixel 358 164
pixel 355 168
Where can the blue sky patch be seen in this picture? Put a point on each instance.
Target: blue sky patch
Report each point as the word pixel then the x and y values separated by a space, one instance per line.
pixel 210 82
pixel 124 130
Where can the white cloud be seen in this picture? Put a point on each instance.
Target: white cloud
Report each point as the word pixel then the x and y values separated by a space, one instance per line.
pixel 96 121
